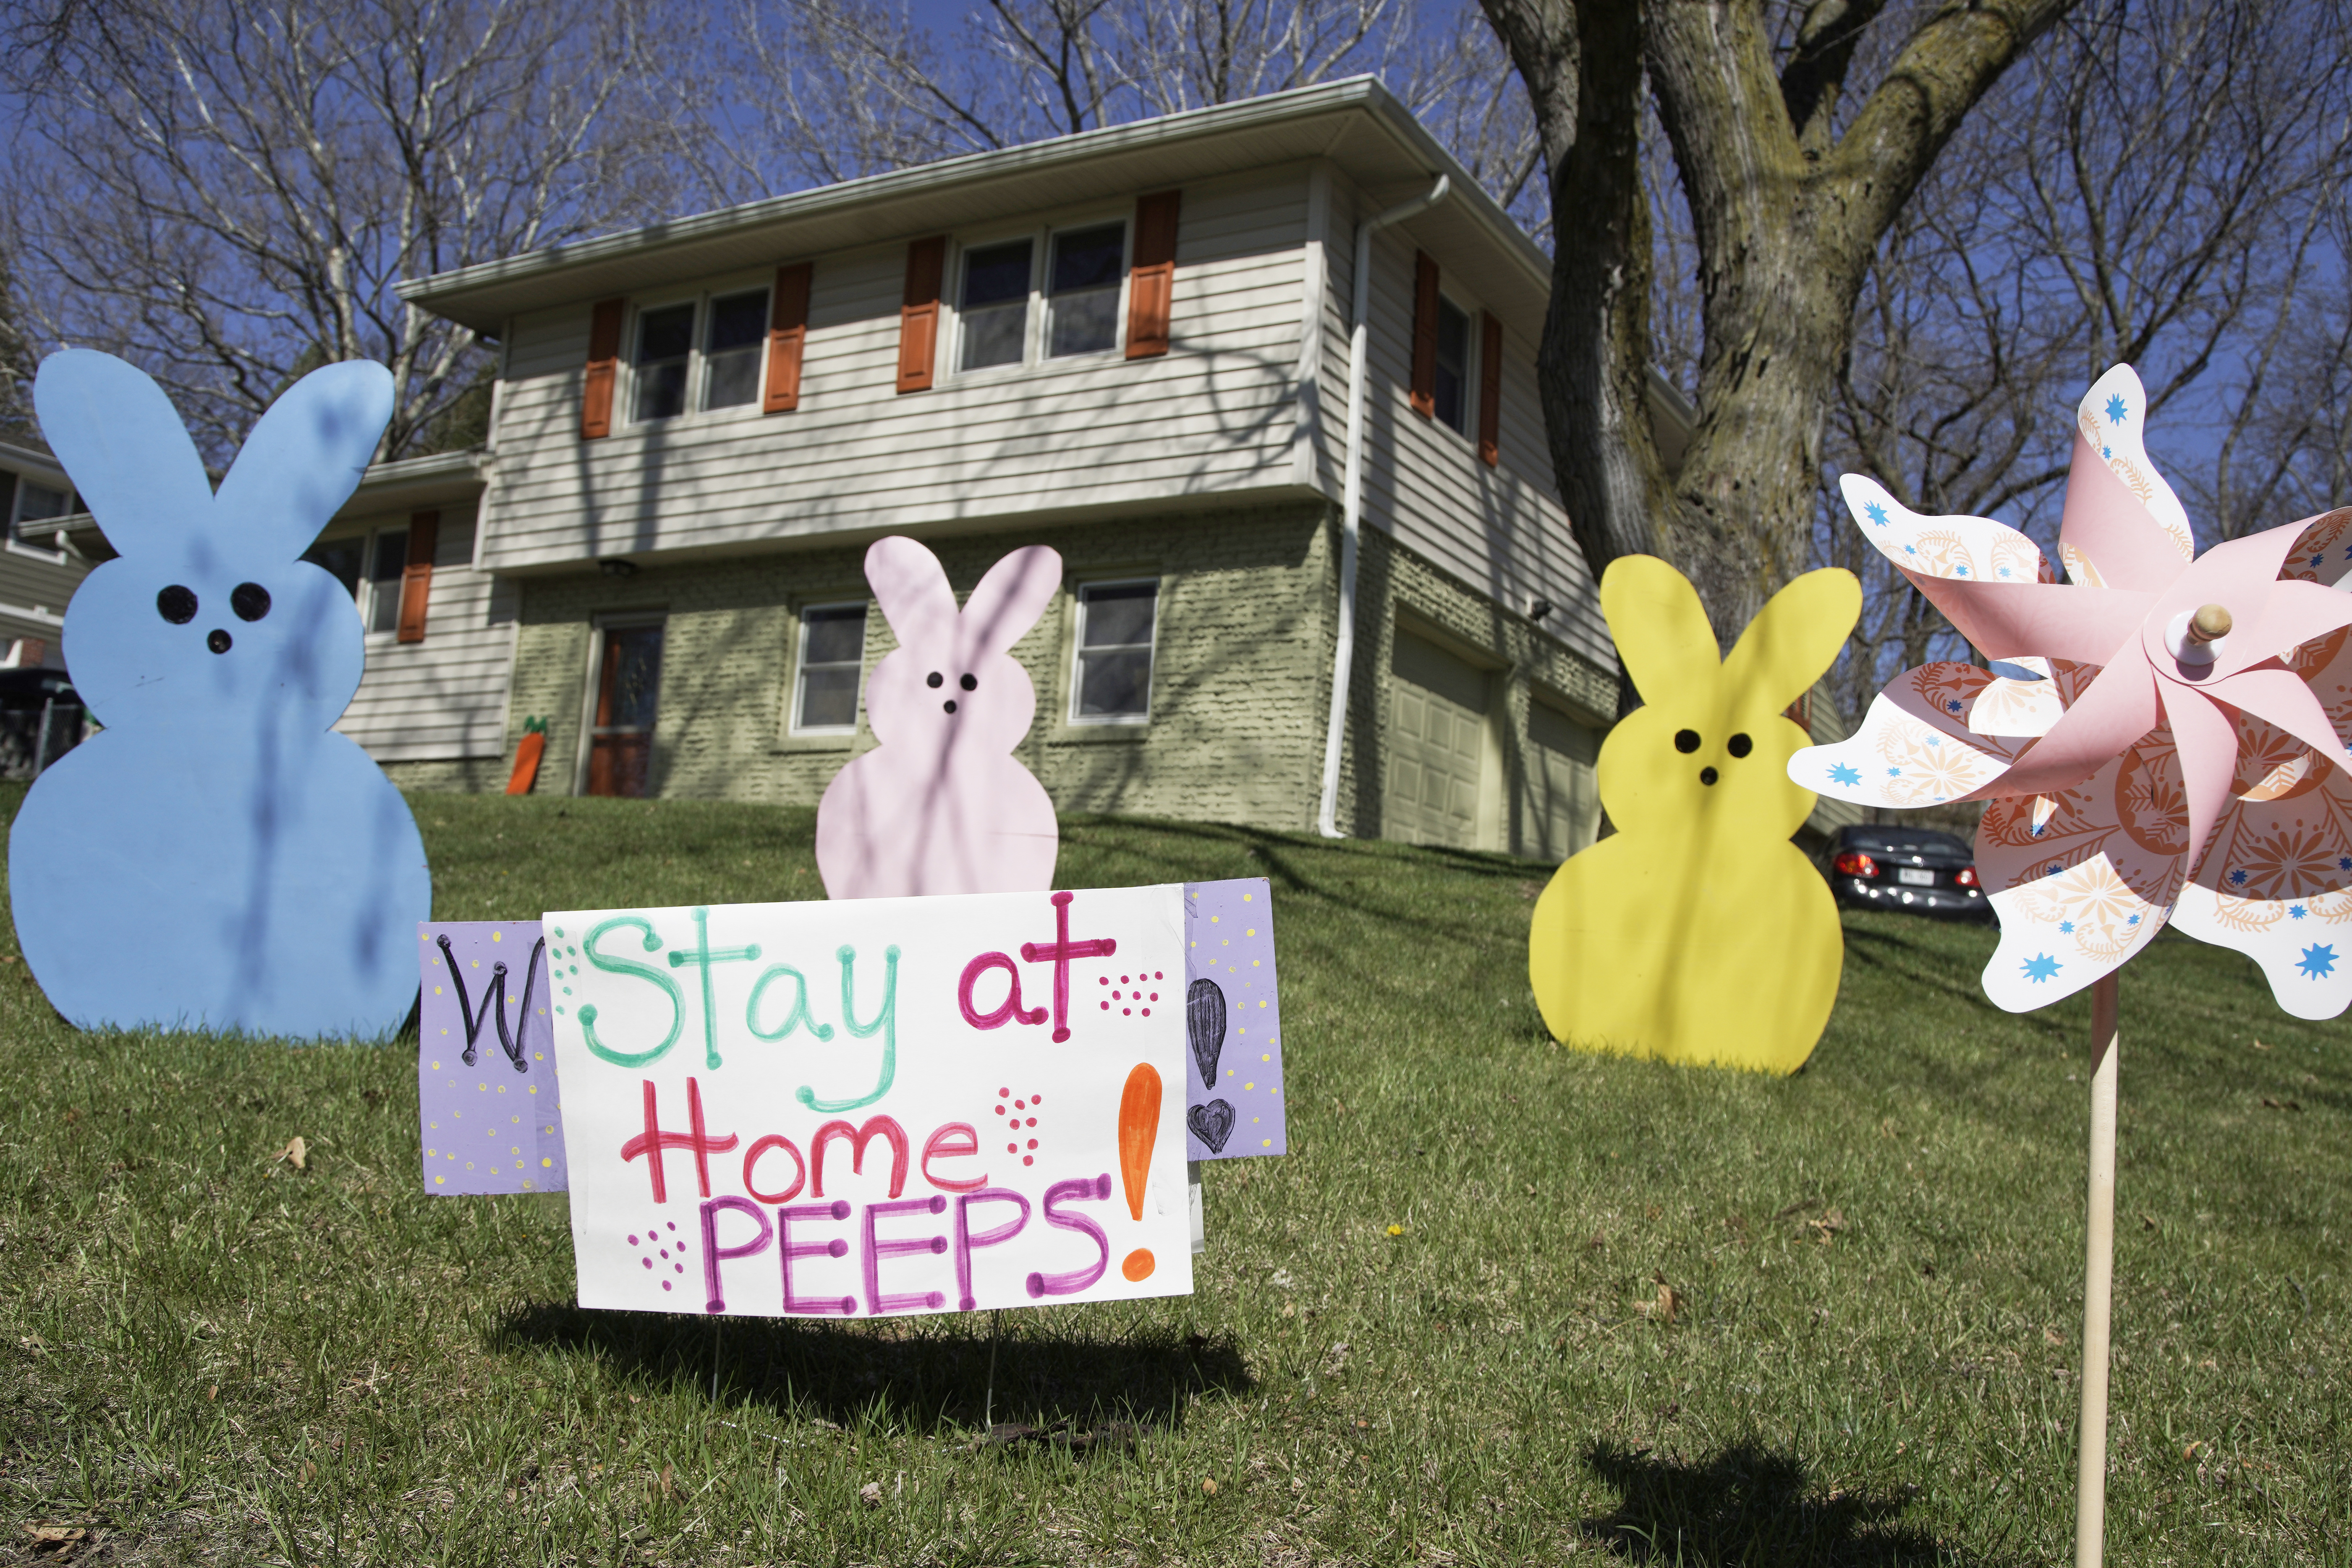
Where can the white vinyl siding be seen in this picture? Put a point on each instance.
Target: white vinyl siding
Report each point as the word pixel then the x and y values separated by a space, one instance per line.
pixel 444 698
pixel 1210 417
pixel 1502 531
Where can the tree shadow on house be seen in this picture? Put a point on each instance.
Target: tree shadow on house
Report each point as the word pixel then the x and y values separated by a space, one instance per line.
pixel 924 1374
pixel 1749 1506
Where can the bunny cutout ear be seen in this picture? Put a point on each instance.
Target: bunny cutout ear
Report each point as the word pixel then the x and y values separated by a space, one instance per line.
pixel 911 587
pixel 122 442
pixel 1011 597
pixel 1660 629
pixel 306 454
pixel 1795 637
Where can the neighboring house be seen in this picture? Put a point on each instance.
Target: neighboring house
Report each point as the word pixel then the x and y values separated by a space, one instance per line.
pixel 1132 345
pixel 38 568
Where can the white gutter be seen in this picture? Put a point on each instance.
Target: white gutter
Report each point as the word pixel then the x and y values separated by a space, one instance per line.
pixel 1352 503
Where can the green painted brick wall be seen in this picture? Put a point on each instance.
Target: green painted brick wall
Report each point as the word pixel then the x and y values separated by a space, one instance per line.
pixel 1240 687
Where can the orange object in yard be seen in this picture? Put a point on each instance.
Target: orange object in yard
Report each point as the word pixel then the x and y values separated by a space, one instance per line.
pixel 527 756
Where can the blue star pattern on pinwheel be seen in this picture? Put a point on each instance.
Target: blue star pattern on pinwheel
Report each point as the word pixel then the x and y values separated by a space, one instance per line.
pixel 2040 968
pixel 2117 410
pixel 1840 774
pixel 1876 513
pixel 2297 911
pixel 2318 961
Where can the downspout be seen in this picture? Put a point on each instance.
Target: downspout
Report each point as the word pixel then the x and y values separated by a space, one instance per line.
pixel 1343 658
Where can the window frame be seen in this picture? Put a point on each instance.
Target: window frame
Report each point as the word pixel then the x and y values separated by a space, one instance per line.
pixel 365 599
pixel 698 358
pixel 19 479
pixel 1079 592
pixel 1037 323
pixel 794 726
pixel 1448 299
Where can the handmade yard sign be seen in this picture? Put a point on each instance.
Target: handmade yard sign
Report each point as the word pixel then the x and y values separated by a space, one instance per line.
pixel 876 1107
pixel 270 872
pixel 1232 1022
pixel 942 805
pixel 2160 742
pixel 1697 932
pixel 490 1118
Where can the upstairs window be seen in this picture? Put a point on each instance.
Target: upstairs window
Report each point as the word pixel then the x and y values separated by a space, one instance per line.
pixel 1073 297
pixel 698 356
pixel 33 511
pixel 369 567
pixel 994 306
pixel 738 331
pixel 1112 681
pixel 1082 302
pixel 1451 392
pixel 833 658
pixel 665 347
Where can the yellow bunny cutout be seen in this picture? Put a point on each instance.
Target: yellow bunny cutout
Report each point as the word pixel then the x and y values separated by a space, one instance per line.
pixel 1698 932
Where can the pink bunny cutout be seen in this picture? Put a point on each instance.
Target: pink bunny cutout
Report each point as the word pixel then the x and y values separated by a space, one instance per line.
pixel 942 805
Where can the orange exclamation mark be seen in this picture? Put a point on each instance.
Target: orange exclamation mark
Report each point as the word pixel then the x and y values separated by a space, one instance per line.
pixel 1138 1130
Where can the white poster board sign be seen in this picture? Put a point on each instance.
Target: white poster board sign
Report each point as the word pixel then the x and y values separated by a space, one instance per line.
pixel 875 1106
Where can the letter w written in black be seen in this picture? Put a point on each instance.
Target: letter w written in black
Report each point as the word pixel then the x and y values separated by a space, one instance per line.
pixel 494 1003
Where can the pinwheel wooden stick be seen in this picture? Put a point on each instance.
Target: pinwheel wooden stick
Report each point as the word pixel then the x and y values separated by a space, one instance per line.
pixel 2098 1281
pixel 2158 742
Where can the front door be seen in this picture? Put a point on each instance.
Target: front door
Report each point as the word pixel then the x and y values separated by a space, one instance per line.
pixel 628 685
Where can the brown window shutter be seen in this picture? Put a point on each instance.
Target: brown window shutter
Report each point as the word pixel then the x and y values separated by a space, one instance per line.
pixel 1425 335
pixel 1151 274
pixel 1490 390
pixel 918 316
pixel 787 335
pixel 417 576
pixel 603 370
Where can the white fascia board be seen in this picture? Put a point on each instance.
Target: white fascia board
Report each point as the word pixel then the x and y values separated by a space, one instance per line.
pixel 1318 121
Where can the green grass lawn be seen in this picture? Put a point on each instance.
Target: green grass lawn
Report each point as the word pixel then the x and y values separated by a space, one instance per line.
pixel 1875 1269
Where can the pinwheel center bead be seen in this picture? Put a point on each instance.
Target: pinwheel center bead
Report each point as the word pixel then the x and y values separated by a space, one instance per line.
pixel 2209 623
pixel 2196 639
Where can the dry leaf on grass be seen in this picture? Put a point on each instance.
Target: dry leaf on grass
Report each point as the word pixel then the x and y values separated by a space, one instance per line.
pixel 1208 1485
pixel 2271 1104
pixel 61 1539
pixel 295 1150
pixel 870 1494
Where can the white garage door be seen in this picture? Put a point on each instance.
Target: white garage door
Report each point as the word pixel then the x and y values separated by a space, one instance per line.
pixel 1437 744
pixel 1565 807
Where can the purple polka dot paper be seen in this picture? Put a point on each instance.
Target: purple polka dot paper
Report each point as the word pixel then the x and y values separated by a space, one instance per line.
pixel 1233 1080
pixel 493 1125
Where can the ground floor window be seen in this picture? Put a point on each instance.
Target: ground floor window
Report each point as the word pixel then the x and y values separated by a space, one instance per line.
pixel 831 661
pixel 629 691
pixel 1112 683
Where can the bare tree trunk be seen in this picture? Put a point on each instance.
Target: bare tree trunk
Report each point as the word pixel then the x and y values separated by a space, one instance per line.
pixel 1582 67
pixel 1788 198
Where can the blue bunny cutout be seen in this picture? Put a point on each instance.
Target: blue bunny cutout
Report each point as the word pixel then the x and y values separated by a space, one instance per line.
pixel 216 856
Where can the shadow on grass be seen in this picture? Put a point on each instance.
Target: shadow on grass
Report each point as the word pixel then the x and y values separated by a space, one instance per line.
pixel 925 1375
pixel 1748 1505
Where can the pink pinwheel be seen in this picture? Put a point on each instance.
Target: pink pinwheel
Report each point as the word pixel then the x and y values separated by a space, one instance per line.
pixel 2159 741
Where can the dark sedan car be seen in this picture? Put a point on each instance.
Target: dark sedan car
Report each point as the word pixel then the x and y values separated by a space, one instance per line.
pixel 1915 870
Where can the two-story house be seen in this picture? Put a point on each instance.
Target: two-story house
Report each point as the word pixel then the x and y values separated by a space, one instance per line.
pixel 1136 345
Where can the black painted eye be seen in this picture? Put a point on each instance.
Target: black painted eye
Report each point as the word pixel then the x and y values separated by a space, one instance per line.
pixel 1739 746
pixel 948 705
pixel 970 683
pixel 1707 775
pixel 1685 741
pixel 933 679
pixel 177 604
pixel 218 641
pixel 250 600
